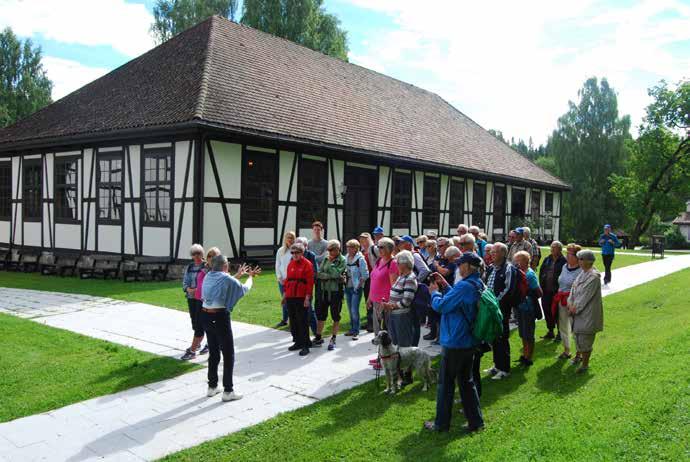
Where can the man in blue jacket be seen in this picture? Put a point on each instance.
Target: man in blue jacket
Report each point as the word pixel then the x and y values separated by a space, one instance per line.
pixel 458 308
pixel 608 242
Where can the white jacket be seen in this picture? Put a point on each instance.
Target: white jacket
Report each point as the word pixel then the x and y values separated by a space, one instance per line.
pixel 283 257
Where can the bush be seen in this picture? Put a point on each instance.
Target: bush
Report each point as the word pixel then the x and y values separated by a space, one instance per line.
pixel 674 239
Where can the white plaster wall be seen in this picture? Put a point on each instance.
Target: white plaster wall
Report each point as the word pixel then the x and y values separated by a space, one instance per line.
pixel 228 157
pixel 187 229
pixel 109 238
pixel 215 231
pixel 32 233
pixel 156 241
pixel 182 153
pixel 5 232
pixel 67 236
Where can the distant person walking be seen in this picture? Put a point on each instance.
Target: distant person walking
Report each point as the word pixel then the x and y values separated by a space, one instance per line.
pixel 609 243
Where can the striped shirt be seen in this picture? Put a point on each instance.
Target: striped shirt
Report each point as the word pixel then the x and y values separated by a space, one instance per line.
pixel 402 293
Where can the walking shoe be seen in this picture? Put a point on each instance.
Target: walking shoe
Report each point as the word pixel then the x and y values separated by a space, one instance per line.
pixel 520 359
pixel 581 370
pixel 331 344
pixel 355 337
pixel 500 375
pixel 548 335
pixel 525 362
pixel 575 361
pixel 231 396
pixel 349 333
pixel 212 391
pixel 470 429
pixel 491 371
pixel 294 347
pixel 204 350
pixel 429 337
pixel 304 352
pixel 281 324
pixel 318 341
pixel 188 354
pixel 564 356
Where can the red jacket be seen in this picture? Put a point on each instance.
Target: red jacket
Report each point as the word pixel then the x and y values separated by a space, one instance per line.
pixel 300 279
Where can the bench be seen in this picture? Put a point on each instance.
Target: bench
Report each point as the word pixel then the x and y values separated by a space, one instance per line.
pixel 64 262
pixel 25 260
pixel 102 266
pixel 5 257
pixel 152 268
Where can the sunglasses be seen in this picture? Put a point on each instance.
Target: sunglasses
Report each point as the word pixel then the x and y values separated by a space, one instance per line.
pixel 295 252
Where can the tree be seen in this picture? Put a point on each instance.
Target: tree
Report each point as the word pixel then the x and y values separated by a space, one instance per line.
pixel 170 17
pixel 302 21
pixel 588 146
pixel 24 85
pixel 657 181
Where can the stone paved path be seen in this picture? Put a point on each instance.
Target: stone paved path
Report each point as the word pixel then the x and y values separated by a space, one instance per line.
pixel 148 422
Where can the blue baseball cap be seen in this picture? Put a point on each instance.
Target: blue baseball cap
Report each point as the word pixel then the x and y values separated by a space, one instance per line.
pixel 408 238
pixel 469 257
pixel 377 230
pixel 607 226
pixel 520 230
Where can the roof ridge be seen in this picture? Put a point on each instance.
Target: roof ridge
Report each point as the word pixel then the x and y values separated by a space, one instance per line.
pixel 203 85
pixel 502 142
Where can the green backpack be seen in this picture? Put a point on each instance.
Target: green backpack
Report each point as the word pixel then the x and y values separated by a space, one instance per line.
pixel 488 324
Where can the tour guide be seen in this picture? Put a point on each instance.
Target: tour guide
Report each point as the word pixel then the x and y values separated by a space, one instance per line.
pixel 458 308
pixel 220 293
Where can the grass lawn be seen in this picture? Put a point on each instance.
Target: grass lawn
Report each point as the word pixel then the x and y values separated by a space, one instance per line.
pixel 44 368
pixel 633 405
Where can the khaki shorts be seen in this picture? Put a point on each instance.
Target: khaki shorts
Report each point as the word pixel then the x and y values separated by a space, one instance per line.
pixel 584 342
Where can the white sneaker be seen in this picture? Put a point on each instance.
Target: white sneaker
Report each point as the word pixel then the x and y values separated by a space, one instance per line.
pixel 231 396
pixel 500 375
pixel 492 371
pixel 212 391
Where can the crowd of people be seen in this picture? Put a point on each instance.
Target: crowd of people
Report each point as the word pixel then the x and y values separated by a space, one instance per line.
pixel 408 284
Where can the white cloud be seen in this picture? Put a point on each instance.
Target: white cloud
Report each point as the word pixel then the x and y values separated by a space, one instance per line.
pixel 68 75
pixel 116 23
pixel 513 66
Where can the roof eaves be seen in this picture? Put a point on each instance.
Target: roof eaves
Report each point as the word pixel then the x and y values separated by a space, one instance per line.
pixel 561 186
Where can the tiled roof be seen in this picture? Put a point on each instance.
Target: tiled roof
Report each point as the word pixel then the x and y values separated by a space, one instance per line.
pixel 232 76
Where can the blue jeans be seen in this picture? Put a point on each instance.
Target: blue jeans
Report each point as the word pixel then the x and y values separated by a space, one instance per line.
pixel 353 297
pixel 283 305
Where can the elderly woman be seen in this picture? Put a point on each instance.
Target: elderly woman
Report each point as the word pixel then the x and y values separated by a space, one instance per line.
pixel 446 267
pixel 488 255
pixel 357 276
pixel 550 270
pixel 570 271
pixel 382 277
pixel 282 261
pixel 527 308
pixel 402 319
pixel 298 287
pixel 201 275
pixel 431 253
pixel 587 309
pixel 193 304
pixel 399 304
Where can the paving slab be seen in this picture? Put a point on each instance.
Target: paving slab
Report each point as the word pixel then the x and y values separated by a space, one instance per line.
pixel 148 422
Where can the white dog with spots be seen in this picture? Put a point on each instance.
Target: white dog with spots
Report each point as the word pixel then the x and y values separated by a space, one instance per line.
pixel 394 360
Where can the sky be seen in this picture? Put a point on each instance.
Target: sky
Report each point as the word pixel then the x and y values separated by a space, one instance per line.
pixel 511 66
